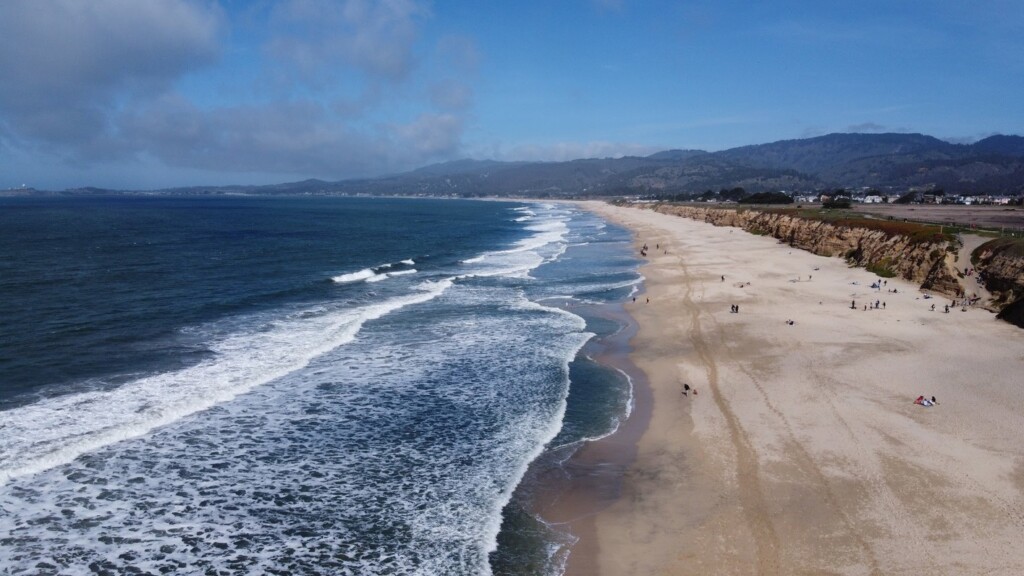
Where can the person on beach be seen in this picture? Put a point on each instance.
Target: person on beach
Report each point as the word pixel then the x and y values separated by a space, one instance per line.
pixel 933 308
pixel 853 304
pixel 723 278
pixel 686 389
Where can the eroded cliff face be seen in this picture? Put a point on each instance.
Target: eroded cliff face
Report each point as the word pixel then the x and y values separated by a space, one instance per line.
pixel 1002 265
pixel 930 264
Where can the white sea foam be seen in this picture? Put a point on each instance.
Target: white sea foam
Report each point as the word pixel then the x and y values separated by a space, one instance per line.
pixel 546 432
pixel 55 431
pixel 394 453
pixel 546 243
pixel 355 276
pixel 374 274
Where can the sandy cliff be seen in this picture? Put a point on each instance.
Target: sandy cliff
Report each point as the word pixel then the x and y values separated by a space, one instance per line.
pixel 928 262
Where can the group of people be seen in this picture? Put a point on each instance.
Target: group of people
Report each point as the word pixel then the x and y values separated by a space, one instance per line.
pixel 921 400
pixel 735 308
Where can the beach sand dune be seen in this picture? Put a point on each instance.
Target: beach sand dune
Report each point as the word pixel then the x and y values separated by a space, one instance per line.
pixel 803 451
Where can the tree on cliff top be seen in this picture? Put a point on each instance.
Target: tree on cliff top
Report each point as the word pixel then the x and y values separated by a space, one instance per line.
pixel 767 198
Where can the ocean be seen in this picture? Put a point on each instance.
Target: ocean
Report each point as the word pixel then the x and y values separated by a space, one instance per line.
pixel 243 385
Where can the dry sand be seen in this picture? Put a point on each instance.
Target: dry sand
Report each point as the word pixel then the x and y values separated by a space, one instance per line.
pixel 803 452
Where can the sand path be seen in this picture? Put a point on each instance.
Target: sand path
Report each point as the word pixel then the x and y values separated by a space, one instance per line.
pixel 803 452
pixel 969 243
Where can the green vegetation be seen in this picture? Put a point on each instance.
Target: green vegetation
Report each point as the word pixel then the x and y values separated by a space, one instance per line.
pixel 1013 247
pixel 767 198
pixel 916 232
pixel 882 268
pixel 838 203
pixel 906 198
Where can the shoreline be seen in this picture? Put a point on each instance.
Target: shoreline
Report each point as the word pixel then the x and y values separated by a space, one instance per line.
pixel 804 452
pixel 590 479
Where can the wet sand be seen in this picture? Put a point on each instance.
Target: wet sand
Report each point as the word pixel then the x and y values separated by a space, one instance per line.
pixel 803 452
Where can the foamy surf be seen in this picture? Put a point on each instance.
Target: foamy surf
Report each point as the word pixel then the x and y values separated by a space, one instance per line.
pixel 389 444
pixel 374 274
pixel 55 431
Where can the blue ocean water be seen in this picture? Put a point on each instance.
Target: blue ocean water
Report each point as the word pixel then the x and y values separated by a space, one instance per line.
pixel 294 386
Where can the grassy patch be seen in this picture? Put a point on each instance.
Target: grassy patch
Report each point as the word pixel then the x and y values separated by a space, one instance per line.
pixel 916 232
pixel 882 268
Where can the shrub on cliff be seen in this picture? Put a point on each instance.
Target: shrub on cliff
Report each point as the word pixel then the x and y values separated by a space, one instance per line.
pixel 882 268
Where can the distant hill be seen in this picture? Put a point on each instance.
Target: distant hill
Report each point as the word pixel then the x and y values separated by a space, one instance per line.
pixel 897 162
pixel 999 144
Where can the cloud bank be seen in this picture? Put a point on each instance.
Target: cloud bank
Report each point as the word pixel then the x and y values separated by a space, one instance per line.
pixel 341 87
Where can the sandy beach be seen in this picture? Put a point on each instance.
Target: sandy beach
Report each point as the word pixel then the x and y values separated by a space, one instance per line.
pixel 802 451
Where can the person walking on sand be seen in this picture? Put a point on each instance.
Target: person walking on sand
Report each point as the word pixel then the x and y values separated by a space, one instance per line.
pixel 686 389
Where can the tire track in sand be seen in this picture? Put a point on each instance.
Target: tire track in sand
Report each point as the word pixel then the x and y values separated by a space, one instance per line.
pixel 747 467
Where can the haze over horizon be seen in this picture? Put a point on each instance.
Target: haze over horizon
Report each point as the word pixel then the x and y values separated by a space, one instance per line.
pixel 161 93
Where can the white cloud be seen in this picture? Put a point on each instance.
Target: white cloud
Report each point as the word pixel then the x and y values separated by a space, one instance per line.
pixel 68 65
pixel 99 83
pixel 315 41
pixel 867 127
pixel 562 151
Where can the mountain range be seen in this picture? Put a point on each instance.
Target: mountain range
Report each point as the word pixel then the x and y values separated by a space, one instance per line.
pixel 890 162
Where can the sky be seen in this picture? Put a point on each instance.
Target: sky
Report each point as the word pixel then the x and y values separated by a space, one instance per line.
pixel 146 94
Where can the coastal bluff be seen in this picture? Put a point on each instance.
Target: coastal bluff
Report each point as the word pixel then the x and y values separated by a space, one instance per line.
pixel 928 258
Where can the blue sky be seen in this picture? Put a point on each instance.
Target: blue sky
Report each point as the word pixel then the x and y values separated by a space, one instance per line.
pixel 157 93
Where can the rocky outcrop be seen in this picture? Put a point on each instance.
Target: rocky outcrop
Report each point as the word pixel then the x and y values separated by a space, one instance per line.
pixel 1001 263
pixel 930 262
